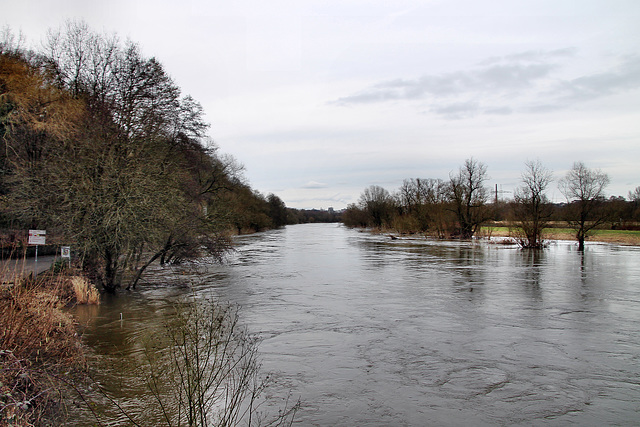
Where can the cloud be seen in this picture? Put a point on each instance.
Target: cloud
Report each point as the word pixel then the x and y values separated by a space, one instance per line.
pixel 500 111
pixel 625 76
pixel 482 80
pixel 533 56
pixel 457 110
pixel 522 82
pixel 314 184
pixel 509 76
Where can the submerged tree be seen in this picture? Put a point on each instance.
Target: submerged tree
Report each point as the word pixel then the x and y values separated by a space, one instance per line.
pixel 203 369
pixel 532 209
pixel 584 191
pixel 468 197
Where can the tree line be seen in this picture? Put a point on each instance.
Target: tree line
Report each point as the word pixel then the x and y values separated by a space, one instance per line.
pixel 100 146
pixel 307 216
pixel 459 206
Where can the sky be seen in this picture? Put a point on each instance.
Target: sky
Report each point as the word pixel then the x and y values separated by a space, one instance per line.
pixel 321 99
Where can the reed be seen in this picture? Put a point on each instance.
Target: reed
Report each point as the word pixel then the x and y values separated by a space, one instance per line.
pixel 85 292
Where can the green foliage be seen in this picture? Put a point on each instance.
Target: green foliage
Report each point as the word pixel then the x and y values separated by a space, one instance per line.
pixel 59 266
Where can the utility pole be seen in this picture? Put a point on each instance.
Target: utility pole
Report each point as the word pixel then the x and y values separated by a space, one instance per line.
pixel 501 191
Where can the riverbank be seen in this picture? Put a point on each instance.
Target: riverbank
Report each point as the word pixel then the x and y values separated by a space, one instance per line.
pixel 42 360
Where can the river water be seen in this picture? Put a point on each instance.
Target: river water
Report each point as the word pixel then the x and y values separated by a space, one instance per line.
pixel 372 331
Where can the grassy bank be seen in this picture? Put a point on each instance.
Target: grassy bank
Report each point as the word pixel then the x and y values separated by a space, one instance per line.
pixel 623 237
pixel 41 357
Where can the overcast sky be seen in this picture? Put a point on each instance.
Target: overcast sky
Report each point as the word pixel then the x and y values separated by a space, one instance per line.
pixel 320 99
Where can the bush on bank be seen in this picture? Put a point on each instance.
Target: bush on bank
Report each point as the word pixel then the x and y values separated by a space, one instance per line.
pixel 41 357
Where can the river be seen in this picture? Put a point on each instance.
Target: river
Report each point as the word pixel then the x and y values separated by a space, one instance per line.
pixel 372 331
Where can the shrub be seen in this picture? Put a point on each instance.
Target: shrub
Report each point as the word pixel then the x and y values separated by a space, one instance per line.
pixel 38 347
pixel 203 369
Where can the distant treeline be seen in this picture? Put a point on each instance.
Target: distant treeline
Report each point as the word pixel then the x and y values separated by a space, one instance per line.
pixel 460 205
pixel 101 148
pixel 305 216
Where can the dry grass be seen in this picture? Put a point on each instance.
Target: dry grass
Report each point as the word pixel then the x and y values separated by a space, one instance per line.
pixel 39 345
pixel 86 293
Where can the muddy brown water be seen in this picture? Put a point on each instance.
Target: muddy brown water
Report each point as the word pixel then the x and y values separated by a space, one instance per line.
pixel 369 330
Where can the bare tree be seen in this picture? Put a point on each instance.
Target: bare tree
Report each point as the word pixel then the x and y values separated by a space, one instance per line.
pixel 11 43
pixel 584 191
pixel 378 203
pixel 100 144
pixel 36 119
pixel 634 203
pixel 85 62
pixel 423 200
pixel 135 180
pixel 203 369
pixel 468 197
pixel 532 209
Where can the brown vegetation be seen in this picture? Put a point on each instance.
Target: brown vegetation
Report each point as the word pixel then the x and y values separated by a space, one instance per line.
pixel 40 352
pixel 460 208
pixel 100 146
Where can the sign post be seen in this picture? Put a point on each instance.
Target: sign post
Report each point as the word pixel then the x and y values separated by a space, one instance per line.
pixel 65 252
pixel 37 237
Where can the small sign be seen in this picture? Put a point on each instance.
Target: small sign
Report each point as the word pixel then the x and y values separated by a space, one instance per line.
pixel 37 237
pixel 65 252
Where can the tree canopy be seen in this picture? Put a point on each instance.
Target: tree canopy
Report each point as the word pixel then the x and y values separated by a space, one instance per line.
pixel 100 145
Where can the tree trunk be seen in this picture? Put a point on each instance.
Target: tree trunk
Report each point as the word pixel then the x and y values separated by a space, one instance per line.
pixel 109 282
pixel 466 230
pixel 143 268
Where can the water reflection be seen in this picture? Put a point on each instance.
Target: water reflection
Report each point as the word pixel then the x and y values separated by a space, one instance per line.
pixel 530 268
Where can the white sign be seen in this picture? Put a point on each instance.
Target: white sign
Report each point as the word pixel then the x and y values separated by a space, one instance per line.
pixel 65 251
pixel 37 237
